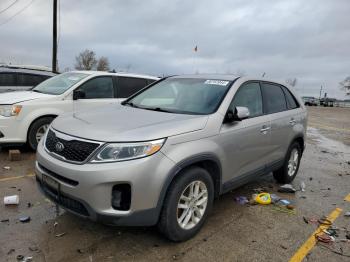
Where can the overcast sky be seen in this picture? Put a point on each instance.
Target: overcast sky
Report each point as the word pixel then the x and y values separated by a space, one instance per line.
pixel 309 40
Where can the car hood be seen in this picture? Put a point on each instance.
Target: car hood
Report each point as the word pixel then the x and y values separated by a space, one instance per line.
pixel 118 123
pixel 20 96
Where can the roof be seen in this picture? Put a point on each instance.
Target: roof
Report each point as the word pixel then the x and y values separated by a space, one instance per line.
pixel 209 76
pixel 116 74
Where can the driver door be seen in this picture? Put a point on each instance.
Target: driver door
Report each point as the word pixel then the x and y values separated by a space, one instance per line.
pixel 98 91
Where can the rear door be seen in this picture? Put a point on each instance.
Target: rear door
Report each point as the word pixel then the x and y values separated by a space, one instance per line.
pixel 99 91
pixel 282 120
pixel 246 143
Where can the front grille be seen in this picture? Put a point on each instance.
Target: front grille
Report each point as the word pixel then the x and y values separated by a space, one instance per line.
pixel 64 200
pixel 71 150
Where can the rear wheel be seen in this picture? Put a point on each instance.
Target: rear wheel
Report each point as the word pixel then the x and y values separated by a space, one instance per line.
pixel 289 170
pixel 187 204
pixel 37 131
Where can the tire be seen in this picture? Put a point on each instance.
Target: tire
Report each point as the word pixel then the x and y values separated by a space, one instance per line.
pixel 288 171
pixel 37 127
pixel 168 223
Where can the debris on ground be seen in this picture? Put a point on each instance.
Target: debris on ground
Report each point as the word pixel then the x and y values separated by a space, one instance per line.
pixel 7 167
pixel 60 234
pixel 242 200
pixel 302 186
pixel 11 200
pixel 287 188
pixel 34 249
pixel 283 202
pixel 6 220
pixel 347 214
pixel 14 155
pixel 262 198
pixel 24 219
pixel 11 251
pixel 274 198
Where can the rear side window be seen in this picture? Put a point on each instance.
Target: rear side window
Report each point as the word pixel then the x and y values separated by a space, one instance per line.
pixel 128 86
pixel 99 87
pixel 274 98
pixel 291 101
pixel 249 95
pixel 29 79
pixel 7 79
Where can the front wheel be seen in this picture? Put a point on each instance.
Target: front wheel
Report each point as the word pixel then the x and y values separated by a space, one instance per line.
pixel 37 131
pixel 187 204
pixel 289 170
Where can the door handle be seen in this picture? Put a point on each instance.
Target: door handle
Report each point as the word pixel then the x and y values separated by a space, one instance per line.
pixel 264 129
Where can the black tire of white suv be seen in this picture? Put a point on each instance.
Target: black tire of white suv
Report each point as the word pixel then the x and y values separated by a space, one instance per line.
pixel 174 215
pixel 40 124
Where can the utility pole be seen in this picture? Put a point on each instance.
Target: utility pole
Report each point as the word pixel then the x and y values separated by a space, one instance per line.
pixel 54 37
pixel 321 92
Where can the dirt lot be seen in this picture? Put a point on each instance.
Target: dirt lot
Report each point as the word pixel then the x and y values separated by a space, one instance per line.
pixel 233 232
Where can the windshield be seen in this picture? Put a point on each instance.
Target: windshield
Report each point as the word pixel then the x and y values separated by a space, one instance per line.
pixel 59 84
pixel 182 95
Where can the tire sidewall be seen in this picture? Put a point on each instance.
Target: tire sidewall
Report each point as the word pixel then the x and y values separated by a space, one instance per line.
pixel 190 175
pixel 288 178
pixel 34 129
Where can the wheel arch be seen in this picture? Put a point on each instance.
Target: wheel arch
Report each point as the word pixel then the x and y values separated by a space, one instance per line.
pixel 209 162
pixel 300 140
pixel 36 119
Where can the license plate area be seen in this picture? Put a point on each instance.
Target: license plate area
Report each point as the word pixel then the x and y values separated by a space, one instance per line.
pixel 52 183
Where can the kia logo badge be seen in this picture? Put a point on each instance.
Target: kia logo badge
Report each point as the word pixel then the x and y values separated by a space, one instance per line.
pixel 59 147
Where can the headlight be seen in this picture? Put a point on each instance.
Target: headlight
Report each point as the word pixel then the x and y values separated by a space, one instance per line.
pixel 127 151
pixel 10 110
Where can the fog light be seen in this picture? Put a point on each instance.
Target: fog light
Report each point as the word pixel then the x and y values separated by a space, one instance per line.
pixel 121 197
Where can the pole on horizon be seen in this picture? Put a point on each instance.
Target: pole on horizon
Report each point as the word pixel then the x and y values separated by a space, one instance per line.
pixel 54 37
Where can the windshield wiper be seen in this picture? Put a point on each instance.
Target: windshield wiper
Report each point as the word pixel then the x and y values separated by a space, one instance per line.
pixel 159 109
pixel 37 91
pixel 130 104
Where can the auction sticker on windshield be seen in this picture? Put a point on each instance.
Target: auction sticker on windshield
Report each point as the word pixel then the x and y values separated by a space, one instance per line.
pixel 216 82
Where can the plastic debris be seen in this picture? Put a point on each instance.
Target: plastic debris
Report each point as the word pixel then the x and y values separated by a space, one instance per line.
pixel 5 220
pixel 302 186
pixel 287 188
pixel 242 200
pixel 263 198
pixel 24 219
pixel 347 214
pixel 283 202
pixel 60 235
pixel 11 200
pixel 274 198
pixel 7 167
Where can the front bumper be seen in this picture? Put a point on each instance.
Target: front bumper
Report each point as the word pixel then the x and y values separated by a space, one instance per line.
pixel 89 195
pixel 11 131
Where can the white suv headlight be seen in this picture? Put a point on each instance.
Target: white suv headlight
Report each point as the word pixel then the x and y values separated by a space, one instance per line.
pixel 126 151
pixel 10 110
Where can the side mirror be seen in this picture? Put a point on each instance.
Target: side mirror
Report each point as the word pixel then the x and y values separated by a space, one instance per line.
pixel 78 94
pixel 239 114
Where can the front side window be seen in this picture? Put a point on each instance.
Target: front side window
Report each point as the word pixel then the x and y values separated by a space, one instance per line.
pixel 183 96
pixel 249 95
pixel 7 79
pixel 99 87
pixel 128 86
pixel 59 84
pixel 274 98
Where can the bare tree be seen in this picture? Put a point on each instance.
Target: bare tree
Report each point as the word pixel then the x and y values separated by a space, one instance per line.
pixel 345 85
pixel 103 64
pixel 86 60
pixel 292 81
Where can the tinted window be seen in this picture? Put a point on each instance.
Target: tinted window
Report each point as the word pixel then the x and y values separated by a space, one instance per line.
pixel 291 101
pixel 100 87
pixel 128 86
pixel 274 98
pixel 249 95
pixel 30 80
pixel 7 79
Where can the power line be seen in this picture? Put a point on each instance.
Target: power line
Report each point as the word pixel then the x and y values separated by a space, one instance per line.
pixel 8 7
pixel 20 11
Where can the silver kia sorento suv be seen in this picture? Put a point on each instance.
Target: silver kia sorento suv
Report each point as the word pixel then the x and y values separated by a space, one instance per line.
pixel 164 154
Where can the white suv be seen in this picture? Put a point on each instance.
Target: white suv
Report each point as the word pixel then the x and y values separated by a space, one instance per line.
pixel 25 116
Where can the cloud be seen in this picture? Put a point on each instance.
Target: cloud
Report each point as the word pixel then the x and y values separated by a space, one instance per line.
pixel 304 39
